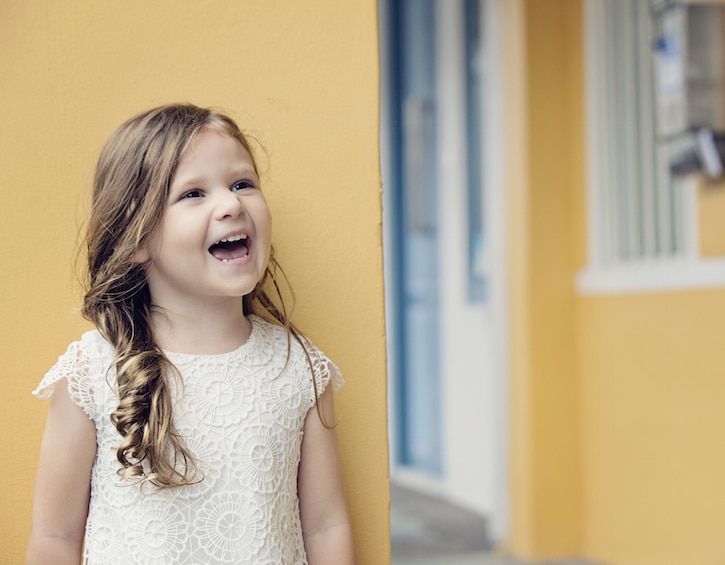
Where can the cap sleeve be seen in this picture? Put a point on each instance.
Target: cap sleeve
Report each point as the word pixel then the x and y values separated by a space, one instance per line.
pixel 74 367
pixel 325 372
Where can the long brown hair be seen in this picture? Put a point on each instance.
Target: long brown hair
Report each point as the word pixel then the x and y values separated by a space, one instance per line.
pixel 130 189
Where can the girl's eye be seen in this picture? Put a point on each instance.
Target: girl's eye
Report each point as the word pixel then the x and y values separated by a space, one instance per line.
pixel 241 185
pixel 192 194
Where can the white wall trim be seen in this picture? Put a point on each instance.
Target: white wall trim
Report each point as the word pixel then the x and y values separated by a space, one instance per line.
pixel 647 277
pixel 496 213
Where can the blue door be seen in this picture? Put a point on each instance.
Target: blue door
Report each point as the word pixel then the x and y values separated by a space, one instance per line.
pixel 413 135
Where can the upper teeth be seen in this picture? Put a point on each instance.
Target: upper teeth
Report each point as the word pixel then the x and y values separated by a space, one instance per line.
pixel 233 238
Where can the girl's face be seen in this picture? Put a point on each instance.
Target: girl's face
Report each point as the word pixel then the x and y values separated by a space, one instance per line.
pixel 214 238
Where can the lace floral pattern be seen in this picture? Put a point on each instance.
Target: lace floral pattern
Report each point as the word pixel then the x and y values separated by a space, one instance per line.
pixel 241 415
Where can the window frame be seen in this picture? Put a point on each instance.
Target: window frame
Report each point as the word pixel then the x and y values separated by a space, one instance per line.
pixel 650 269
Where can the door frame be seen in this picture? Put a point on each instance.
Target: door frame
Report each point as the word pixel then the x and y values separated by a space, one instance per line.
pixel 495 214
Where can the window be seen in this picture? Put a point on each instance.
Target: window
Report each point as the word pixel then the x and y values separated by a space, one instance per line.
pixel 637 209
pixel 643 232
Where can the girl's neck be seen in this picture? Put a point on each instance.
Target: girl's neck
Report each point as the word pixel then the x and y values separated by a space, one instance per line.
pixel 207 330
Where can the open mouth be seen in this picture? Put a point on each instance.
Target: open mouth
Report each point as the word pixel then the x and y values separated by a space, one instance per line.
pixel 231 248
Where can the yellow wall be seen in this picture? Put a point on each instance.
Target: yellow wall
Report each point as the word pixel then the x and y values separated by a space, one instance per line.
pixel 617 421
pixel 303 76
pixel 653 383
pixel 546 128
pixel 515 154
pixel 651 373
pixel 711 212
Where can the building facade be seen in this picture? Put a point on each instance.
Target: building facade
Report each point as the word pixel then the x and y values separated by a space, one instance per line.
pixel 578 405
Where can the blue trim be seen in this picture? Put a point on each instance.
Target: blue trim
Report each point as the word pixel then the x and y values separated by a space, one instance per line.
pixel 397 265
pixel 477 279
pixel 412 95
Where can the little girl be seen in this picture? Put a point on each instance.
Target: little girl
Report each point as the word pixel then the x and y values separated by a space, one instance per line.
pixel 194 424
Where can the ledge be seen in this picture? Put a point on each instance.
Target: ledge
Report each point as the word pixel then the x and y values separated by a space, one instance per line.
pixel 670 275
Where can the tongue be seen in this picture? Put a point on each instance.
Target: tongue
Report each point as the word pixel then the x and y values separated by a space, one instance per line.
pixel 229 251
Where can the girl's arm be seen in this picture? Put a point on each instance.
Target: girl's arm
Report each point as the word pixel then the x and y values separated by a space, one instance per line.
pixel 63 483
pixel 323 511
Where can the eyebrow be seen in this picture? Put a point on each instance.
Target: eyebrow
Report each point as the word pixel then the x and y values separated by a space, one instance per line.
pixel 243 170
pixel 185 182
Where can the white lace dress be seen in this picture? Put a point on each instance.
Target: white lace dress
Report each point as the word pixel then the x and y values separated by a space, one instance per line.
pixel 242 417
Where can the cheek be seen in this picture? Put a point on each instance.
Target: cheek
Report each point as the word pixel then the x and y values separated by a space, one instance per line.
pixel 269 223
pixel 266 242
pixel 264 220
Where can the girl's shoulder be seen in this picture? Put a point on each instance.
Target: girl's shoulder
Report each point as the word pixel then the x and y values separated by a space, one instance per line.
pixel 324 371
pixel 302 353
pixel 78 365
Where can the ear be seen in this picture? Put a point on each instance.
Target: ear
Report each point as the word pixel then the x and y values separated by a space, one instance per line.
pixel 141 256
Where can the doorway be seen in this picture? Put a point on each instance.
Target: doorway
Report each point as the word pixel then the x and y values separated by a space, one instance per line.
pixel 444 251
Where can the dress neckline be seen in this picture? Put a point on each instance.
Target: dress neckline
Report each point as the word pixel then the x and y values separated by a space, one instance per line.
pixel 251 338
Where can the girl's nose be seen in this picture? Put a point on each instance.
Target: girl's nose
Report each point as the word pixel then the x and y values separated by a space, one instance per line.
pixel 229 206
